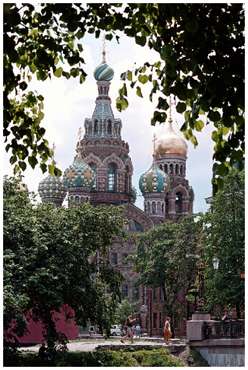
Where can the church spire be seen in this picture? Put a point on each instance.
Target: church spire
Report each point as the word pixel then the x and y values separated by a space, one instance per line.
pixel 170 113
pixel 103 49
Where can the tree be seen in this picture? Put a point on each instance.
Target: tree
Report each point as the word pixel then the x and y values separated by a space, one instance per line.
pixel 225 231
pixel 48 262
pixel 164 259
pixel 200 61
pixel 123 310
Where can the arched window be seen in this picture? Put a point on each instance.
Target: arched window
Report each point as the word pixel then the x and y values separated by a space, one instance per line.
pixel 161 167
pixel 145 208
pixel 159 208
pixel 162 208
pixel 112 177
pixel 124 290
pixel 96 127
pixel 109 128
pixel 166 168
pixel 90 129
pixel 171 169
pixel 153 208
pixel 177 168
pixel 179 202
pixel 93 167
pixel 77 199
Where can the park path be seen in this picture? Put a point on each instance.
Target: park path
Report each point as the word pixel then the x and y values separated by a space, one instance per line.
pixel 91 344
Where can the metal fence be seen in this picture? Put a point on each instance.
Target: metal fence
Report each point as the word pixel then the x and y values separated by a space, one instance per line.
pixel 223 329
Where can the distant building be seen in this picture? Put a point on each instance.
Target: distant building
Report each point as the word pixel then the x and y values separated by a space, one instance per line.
pixel 101 173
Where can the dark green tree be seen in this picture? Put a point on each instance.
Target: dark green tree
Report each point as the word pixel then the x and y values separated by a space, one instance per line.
pixel 225 240
pixel 49 261
pixel 200 61
pixel 165 258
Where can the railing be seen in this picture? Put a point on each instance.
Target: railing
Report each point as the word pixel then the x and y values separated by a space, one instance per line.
pixel 223 329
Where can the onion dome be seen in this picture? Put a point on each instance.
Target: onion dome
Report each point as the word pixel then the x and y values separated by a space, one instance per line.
pixel 170 142
pixel 103 72
pixel 52 190
pixel 153 181
pixel 79 175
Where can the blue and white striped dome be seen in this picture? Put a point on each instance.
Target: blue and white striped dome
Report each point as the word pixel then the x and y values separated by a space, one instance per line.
pixel 103 72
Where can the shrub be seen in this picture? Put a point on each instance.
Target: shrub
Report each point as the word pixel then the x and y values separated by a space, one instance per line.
pixel 114 358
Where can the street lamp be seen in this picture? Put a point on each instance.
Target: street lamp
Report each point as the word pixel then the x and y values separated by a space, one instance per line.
pixel 216 262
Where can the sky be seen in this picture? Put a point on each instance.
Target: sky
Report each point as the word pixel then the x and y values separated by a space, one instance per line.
pixel 67 103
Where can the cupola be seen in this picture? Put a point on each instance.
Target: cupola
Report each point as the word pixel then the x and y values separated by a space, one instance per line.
pixel 79 175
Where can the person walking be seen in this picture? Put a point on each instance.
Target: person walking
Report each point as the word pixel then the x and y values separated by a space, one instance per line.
pixel 167 330
pixel 137 330
pixel 129 327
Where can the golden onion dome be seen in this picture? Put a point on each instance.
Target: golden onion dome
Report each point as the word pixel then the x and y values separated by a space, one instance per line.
pixel 169 142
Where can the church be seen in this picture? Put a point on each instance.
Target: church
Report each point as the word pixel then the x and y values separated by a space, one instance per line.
pixel 101 173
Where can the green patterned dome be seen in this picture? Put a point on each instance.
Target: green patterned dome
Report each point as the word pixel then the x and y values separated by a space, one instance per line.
pixel 153 181
pixel 103 72
pixel 79 175
pixel 52 190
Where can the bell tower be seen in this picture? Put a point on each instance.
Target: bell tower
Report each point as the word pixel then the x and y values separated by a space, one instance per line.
pixel 102 147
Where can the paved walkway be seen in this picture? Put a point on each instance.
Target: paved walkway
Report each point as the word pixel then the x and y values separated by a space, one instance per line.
pixel 91 344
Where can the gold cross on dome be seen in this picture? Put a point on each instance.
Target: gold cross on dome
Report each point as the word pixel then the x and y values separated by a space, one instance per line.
pixel 104 49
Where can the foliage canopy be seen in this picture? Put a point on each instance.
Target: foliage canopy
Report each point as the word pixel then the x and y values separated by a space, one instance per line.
pixel 200 61
pixel 225 239
pixel 50 260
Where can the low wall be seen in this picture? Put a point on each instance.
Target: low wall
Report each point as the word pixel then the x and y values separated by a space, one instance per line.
pixel 221 352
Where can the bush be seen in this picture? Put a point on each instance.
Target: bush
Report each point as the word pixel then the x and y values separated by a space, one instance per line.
pixel 114 358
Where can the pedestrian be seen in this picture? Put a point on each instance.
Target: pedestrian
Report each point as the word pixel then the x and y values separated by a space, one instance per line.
pixel 43 351
pixel 129 329
pixel 225 316
pixel 167 330
pixel 137 330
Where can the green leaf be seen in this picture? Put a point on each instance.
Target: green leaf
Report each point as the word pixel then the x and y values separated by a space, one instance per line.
pixel 162 104
pixel 214 116
pixel 222 169
pixel 139 92
pixel 74 72
pixel 22 165
pixel 23 85
pixel 121 104
pixel 58 72
pixel 140 40
pixel 194 141
pixel 123 90
pixel 215 136
pixel 43 167
pixel 129 75
pixel 199 125
pixel 143 79
pixel 181 107
pixel 32 161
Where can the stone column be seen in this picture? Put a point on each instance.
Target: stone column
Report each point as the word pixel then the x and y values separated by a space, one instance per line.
pixel 171 205
pixel 102 179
